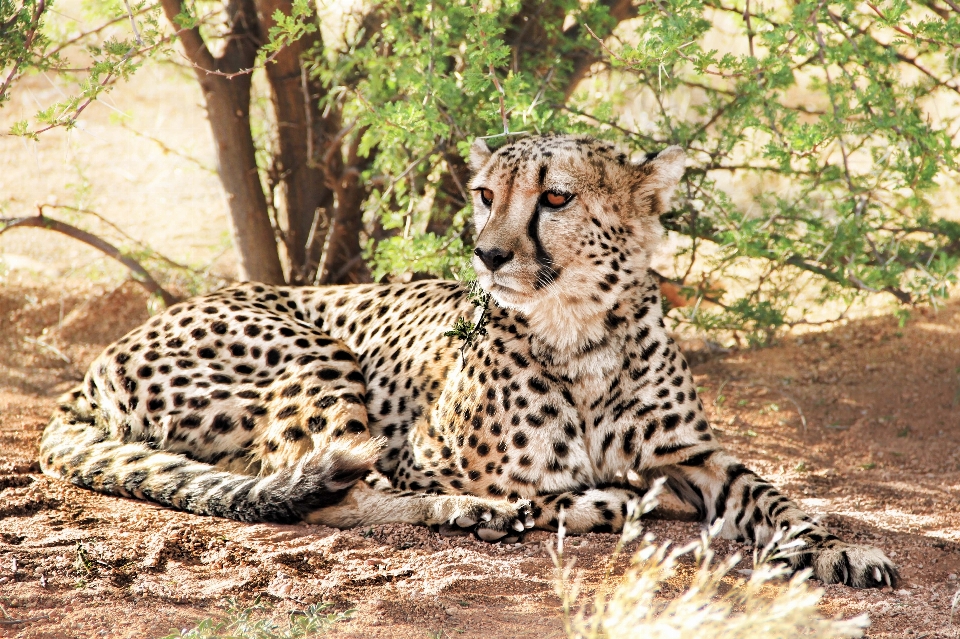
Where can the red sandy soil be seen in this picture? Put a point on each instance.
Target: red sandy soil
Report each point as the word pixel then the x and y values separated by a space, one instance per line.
pixel 860 424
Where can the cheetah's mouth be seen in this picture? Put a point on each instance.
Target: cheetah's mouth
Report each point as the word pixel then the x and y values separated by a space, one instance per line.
pixel 496 288
pixel 506 289
pixel 506 295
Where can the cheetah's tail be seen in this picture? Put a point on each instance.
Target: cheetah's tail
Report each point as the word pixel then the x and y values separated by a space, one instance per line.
pixel 76 447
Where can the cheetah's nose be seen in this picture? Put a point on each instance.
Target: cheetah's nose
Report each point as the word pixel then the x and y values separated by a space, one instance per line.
pixel 493 258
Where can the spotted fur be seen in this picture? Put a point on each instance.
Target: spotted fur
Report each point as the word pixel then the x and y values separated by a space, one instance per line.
pixel 268 403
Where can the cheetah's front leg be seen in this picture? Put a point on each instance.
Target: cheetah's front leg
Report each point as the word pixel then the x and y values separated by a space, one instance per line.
pixel 370 505
pixel 753 509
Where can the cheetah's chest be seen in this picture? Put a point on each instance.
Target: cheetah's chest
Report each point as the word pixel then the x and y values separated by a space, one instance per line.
pixel 512 421
pixel 510 415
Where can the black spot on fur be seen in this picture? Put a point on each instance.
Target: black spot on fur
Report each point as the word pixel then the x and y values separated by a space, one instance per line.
pixel 222 424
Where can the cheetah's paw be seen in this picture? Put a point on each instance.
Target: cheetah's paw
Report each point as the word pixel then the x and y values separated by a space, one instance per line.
pixel 490 520
pixel 853 565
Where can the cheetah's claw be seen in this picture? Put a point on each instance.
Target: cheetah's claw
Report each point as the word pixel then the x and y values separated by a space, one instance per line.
pixel 854 565
pixel 492 522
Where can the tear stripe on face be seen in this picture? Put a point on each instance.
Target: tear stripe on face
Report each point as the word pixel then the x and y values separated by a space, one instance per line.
pixel 546 274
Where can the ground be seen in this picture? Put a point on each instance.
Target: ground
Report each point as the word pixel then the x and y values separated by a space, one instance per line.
pixel 860 424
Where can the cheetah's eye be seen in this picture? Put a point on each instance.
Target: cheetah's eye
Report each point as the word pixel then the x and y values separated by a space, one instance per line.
pixel 555 200
pixel 486 196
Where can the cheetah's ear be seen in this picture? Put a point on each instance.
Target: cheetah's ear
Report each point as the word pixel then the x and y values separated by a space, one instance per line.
pixel 658 177
pixel 479 154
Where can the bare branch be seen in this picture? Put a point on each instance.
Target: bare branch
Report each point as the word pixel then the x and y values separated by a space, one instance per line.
pixel 43 345
pixel 133 23
pixel 12 622
pixel 153 253
pixel 500 95
pixel 140 274
pixel 233 74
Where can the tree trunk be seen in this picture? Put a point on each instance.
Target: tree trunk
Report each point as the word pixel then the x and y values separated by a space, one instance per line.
pixel 253 236
pixel 228 110
pixel 307 202
pixel 342 260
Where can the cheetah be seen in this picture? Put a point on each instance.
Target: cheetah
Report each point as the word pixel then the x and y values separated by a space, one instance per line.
pixel 352 405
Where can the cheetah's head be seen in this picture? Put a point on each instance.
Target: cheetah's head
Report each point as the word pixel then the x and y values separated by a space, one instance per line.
pixel 566 219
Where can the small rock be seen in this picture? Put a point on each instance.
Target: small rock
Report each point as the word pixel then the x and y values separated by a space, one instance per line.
pixel 952 576
pixel 903 592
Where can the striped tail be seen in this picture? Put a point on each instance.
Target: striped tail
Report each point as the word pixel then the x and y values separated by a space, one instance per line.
pixel 76 447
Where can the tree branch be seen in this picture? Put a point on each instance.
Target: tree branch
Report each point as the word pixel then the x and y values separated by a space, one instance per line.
pixel 191 39
pixel 583 59
pixel 28 41
pixel 800 262
pixel 140 274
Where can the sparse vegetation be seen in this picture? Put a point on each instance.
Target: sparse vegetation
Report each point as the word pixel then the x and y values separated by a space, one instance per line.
pixel 719 603
pixel 464 329
pixel 83 566
pixel 250 622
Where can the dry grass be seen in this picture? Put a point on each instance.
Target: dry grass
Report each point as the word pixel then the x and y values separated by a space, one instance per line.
pixel 766 604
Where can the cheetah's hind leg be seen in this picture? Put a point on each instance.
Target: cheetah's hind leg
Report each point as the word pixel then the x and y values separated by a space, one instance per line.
pixel 177 414
pixel 77 449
